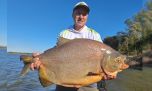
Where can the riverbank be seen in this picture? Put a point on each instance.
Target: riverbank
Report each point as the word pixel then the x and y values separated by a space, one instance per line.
pixel 138 62
pixel 132 80
pixel 3 47
pixel 22 53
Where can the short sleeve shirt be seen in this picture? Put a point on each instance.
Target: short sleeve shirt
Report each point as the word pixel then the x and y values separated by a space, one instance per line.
pixel 85 32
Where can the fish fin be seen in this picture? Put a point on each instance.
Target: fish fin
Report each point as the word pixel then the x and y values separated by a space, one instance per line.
pixel 62 41
pixel 25 69
pixel 92 74
pixel 44 80
pixel 26 58
pixel 85 81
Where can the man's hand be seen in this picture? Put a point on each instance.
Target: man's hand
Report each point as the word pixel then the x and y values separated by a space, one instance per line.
pixel 36 62
pixel 108 77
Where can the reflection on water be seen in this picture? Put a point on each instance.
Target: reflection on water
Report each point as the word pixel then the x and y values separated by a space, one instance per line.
pixel 10 67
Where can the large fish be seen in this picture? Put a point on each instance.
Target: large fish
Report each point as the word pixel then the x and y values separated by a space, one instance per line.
pixel 77 62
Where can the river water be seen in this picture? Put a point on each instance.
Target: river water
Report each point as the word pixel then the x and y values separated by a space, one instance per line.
pixel 10 80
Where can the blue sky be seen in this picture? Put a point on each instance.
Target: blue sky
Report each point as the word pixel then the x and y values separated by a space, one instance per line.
pixel 34 25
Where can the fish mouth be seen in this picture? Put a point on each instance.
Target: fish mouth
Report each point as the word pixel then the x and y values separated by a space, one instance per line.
pixel 124 66
pixel 128 61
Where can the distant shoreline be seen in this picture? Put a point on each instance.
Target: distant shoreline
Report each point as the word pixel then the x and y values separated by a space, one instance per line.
pixel 23 53
pixel 3 47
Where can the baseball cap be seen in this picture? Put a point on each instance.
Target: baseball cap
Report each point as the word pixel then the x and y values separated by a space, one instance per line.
pixel 83 5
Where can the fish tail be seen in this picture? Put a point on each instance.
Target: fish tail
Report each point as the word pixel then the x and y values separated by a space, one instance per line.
pixel 25 70
pixel 27 60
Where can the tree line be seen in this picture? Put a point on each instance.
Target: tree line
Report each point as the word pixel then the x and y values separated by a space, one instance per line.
pixel 137 37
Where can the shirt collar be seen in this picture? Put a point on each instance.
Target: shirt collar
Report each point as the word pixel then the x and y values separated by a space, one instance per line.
pixel 83 29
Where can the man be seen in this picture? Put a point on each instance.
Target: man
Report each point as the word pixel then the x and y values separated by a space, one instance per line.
pixel 78 30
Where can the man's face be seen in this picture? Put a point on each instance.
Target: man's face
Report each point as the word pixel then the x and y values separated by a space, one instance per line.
pixel 80 17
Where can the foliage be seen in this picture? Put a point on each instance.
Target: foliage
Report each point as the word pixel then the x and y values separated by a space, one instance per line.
pixel 139 33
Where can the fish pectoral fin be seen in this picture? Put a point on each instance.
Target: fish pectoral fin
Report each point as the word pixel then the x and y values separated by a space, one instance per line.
pixel 92 74
pixel 25 69
pixel 92 78
pixel 43 77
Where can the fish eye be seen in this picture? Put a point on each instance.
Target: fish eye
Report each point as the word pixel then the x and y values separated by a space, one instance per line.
pixel 118 60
